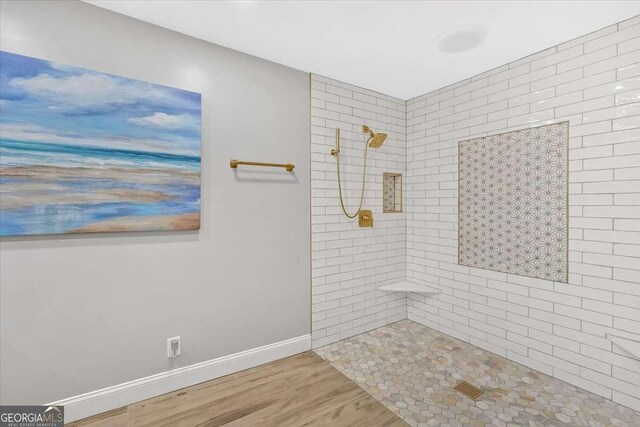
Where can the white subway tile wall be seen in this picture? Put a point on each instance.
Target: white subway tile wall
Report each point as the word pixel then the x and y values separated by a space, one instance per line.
pixel 557 328
pixel 349 263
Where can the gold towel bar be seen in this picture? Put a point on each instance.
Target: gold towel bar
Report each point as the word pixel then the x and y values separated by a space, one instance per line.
pixel 288 166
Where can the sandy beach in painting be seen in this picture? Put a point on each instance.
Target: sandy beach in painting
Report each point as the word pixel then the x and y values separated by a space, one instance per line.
pixel 84 152
pixel 145 223
pixel 28 188
pixel 46 185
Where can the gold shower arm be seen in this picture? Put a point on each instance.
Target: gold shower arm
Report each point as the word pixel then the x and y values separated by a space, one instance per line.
pixel 288 166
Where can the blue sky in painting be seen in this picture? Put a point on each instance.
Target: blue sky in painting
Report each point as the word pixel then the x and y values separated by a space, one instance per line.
pixel 47 102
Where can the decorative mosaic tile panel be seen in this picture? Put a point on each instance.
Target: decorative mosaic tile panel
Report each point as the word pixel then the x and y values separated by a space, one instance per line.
pixel 513 202
pixel 412 370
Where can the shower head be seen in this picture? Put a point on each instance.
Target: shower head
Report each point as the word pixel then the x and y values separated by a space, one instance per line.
pixel 376 139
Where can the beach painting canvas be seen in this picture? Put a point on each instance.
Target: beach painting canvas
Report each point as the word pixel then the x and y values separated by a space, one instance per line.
pixel 83 151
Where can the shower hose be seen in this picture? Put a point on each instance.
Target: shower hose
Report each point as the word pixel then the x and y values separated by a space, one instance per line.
pixel 364 171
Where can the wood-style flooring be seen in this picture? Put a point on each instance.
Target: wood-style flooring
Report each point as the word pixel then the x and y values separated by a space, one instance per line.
pixel 301 390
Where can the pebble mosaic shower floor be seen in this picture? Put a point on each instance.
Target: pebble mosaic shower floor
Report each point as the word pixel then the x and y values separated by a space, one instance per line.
pixel 412 369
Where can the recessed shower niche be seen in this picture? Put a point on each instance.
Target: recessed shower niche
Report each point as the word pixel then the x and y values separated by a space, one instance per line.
pixel 391 192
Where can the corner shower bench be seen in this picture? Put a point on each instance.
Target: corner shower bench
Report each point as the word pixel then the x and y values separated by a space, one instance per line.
pixel 406 286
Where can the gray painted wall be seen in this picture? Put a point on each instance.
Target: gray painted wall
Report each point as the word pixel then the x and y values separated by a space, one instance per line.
pixel 79 313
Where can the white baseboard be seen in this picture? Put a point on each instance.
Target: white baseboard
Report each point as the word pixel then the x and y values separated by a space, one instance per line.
pixel 109 398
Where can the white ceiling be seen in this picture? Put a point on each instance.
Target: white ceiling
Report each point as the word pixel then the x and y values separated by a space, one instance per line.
pixel 387 46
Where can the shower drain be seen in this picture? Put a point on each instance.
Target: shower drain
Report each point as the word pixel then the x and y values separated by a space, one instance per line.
pixel 468 390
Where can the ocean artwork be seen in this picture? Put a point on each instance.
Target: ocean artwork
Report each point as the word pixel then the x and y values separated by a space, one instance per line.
pixel 86 152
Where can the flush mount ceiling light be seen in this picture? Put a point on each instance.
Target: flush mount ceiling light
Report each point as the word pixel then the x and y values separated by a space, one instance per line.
pixel 463 39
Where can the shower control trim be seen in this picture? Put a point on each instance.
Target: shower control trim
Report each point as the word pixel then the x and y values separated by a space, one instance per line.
pixel 365 218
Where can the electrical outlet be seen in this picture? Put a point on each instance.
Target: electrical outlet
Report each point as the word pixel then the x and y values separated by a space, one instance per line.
pixel 174 347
